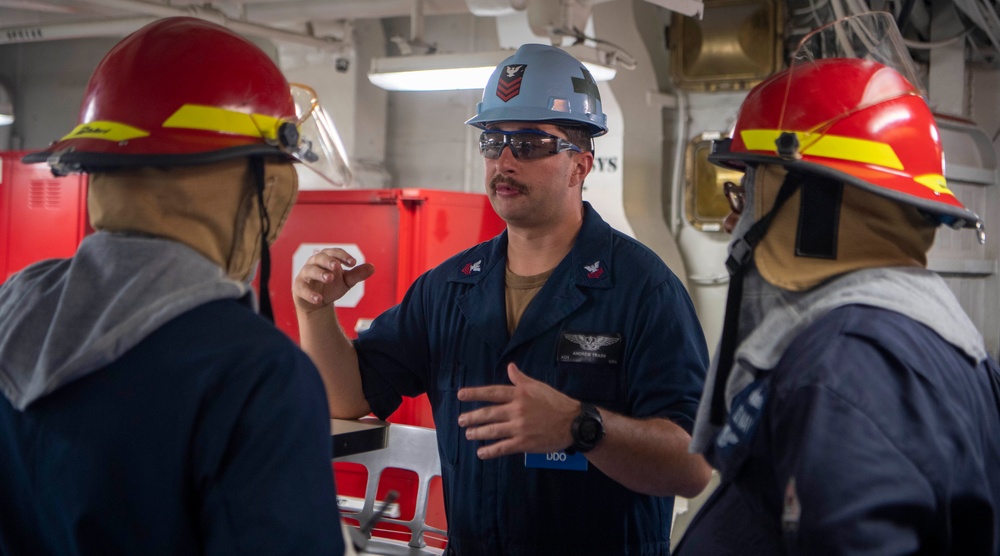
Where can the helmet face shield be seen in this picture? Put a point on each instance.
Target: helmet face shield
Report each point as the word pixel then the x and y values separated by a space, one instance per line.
pixel 871 36
pixel 318 144
pixel 848 108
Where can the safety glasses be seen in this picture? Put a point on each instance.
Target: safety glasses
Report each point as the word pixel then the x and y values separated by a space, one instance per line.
pixel 525 144
pixel 736 195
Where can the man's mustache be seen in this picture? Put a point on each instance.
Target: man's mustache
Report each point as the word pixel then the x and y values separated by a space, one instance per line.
pixel 511 183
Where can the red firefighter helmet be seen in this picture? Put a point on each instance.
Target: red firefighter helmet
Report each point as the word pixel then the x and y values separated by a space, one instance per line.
pixel 857 120
pixel 182 91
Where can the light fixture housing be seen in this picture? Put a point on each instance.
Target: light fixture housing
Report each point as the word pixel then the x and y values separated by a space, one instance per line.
pixel 6 106
pixel 736 47
pixel 449 72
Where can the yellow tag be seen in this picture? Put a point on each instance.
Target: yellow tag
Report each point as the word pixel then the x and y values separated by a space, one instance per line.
pixel 108 131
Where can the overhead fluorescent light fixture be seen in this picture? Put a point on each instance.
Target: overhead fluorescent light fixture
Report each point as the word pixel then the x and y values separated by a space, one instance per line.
pixel 449 72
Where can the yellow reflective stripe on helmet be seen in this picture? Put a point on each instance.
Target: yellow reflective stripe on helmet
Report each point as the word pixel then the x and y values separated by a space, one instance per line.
pixel 108 131
pixel 211 118
pixel 934 182
pixel 827 146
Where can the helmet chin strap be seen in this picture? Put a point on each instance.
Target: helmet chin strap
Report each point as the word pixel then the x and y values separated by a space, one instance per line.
pixel 738 262
pixel 257 171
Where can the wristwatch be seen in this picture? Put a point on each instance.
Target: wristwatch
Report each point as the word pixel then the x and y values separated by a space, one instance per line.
pixel 587 429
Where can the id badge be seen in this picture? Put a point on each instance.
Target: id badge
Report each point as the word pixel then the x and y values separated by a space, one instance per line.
pixel 557 460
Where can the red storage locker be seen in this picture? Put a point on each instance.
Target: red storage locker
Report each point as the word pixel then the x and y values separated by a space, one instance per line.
pixel 41 216
pixel 403 232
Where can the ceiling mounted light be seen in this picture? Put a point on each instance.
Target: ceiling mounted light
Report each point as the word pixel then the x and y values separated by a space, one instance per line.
pixel 448 72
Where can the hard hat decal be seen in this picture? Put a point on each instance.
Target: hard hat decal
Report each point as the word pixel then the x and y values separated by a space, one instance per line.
pixel 210 118
pixel 827 146
pixel 108 131
pixel 934 182
pixel 587 86
pixel 509 84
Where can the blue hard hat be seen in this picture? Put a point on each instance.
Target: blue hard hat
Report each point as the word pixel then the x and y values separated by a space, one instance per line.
pixel 542 83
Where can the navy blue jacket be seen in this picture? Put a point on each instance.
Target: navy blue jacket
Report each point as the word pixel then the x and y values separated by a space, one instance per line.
pixel 450 332
pixel 211 436
pixel 875 437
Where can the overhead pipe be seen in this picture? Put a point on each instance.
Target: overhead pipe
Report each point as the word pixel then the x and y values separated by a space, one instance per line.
pixel 494 8
pixel 417 21
pixel 64 31
pixel 215 16
pixel 310 10
pixel 36 6
pixel 406 46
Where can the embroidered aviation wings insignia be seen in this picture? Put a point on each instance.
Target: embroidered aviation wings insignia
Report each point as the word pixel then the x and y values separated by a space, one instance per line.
pixel 592 343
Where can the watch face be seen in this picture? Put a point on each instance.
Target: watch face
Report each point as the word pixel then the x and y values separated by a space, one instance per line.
pixel 589 430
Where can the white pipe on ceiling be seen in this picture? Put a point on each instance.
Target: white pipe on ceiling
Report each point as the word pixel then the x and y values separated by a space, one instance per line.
pixel 35 6
pixel 215 16
pixel 494 8
pixel 309 10
pixel 283 11
pixel 417 21
pixel 79 30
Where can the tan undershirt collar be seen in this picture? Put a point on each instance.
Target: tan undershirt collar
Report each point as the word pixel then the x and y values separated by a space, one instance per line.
pixel 518 293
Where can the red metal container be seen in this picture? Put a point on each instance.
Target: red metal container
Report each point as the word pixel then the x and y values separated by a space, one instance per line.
pixel 403 232
pixel 41 216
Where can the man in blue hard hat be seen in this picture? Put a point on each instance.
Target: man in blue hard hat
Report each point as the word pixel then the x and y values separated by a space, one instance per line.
pixel 562 359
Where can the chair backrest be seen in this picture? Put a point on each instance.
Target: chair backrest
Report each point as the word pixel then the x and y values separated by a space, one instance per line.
pixel 410 448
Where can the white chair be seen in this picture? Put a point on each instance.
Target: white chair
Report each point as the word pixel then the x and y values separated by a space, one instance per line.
pixel 409 448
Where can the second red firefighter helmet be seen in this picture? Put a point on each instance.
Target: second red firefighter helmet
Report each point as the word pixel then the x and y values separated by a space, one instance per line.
pixel 855 120
pixel 185 91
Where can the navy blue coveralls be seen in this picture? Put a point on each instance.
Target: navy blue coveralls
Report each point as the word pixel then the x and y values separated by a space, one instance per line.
pixel 201 439
pixel 874 436
pixel 450 332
